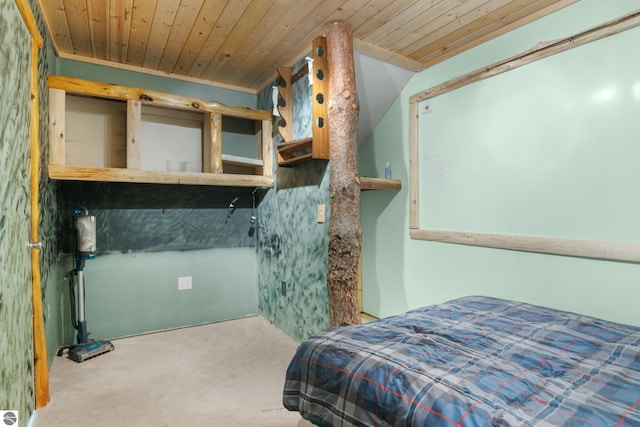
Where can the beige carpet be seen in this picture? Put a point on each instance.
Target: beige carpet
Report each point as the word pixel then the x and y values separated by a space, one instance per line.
pixel 223 374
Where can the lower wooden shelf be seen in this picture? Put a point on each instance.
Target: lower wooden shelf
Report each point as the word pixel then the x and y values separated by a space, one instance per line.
pixel 77 173
pixel 293 152
pixel 367 183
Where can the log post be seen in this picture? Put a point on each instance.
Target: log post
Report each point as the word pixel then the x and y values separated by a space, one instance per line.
pixel 344 183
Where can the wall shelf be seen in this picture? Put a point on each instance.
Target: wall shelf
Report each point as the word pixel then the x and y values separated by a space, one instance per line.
pixel 379 184
pixel 79 173
pixel 291 152
pixel 139 127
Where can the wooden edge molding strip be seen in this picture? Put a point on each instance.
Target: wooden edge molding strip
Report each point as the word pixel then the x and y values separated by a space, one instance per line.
pixel 618 251
pixel 78 173
pixel 542 50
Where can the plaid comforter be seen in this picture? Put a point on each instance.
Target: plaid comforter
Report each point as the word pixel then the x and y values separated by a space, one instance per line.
pixel 474 361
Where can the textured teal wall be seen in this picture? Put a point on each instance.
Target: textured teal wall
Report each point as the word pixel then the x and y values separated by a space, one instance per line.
pixel 16 322
pixel 292 259
pixel 292 246
pixel 400 273
pixel 16 334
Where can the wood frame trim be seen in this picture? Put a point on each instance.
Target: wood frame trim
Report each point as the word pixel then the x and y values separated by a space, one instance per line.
pixel 540 51
pixel 134 119
pixel 558 246
pixel 30 21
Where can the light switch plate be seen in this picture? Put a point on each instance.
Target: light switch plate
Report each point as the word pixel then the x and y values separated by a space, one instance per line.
pixel 184 283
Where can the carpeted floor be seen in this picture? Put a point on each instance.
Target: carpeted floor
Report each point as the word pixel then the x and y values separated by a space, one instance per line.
pixel 223 374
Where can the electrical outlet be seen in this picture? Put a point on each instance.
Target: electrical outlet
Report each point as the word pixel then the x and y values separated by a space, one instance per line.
pixel 48 311
pixel 283 288
pixel 184 283
pixel 321 213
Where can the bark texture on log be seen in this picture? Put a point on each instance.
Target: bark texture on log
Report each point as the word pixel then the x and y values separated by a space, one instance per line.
pixel 344 183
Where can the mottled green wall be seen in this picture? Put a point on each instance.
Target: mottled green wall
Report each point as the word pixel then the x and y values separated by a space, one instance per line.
pixel 16 335
pixel 400 273
pixel 16 321
pixel 292 259
pixel 292 245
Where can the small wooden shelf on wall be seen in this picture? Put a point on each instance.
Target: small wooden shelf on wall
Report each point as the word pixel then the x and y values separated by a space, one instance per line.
pixel 105 132
pixel 292 152
pixel 379 184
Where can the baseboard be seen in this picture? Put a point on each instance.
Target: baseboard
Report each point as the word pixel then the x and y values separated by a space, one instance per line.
pixel 366 317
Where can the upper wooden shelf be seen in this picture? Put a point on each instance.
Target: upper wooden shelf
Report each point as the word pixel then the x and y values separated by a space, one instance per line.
pixel 117 153
pixel 379 184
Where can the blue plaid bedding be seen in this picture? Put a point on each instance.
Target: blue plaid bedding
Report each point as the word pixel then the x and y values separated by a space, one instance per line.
pixel 474 361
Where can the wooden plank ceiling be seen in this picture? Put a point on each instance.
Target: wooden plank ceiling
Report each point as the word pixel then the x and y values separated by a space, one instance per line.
pixel 239 43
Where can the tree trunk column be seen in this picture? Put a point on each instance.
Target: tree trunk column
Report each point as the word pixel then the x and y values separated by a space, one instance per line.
pixel 344 182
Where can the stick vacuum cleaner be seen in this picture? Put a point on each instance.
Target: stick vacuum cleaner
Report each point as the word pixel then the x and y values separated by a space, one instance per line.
pixel 85 348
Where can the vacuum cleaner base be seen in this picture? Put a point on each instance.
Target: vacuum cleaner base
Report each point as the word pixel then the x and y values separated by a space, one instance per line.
pixel 81 352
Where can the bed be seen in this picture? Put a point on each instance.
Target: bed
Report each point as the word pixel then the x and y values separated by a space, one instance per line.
pixel 473 361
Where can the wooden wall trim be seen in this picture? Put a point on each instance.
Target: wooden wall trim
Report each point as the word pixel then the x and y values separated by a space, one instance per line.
pixel 618 251
pixel 41 369
pixel 30 21
pixel 545 245
pixel 541 51
pixel 414 167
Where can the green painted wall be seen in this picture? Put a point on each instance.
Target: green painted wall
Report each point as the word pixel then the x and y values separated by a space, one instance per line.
pixel 135 293
pixel 400 273
pixel 99 73
pixel 131 291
